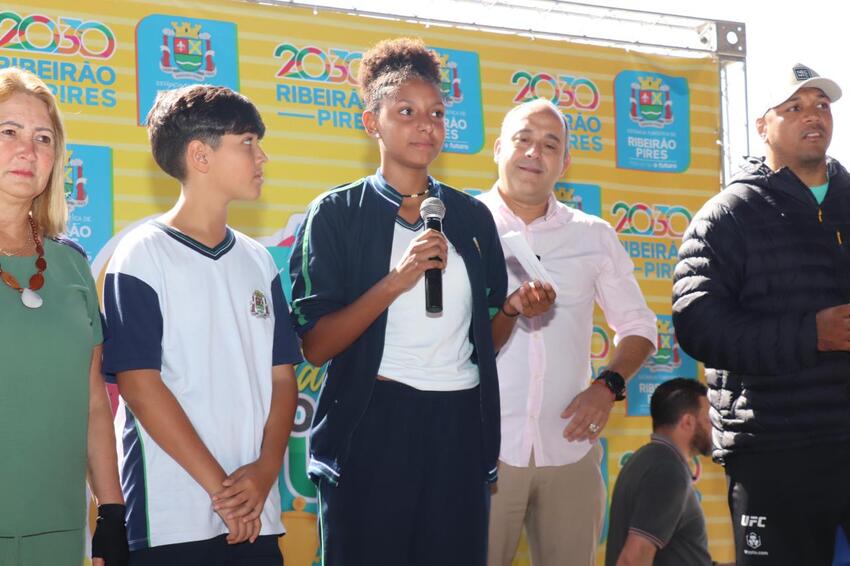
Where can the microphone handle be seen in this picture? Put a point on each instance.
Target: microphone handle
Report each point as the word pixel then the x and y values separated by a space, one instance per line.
pixel 434 277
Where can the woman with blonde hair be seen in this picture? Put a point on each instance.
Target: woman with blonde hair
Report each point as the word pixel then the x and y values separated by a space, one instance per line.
pixel 55 418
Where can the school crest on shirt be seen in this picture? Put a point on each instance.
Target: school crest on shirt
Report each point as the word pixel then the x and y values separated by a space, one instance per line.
pixel 260 305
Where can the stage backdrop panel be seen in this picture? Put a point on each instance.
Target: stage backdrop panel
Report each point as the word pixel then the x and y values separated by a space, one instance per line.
pixel 644 140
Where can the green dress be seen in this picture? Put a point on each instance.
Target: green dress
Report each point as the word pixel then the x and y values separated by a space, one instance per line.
pixel 45 356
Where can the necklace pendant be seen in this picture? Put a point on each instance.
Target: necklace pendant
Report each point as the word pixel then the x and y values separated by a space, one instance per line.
pixel 31 299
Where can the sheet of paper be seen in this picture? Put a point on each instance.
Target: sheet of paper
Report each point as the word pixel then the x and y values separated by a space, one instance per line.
pixel 529 262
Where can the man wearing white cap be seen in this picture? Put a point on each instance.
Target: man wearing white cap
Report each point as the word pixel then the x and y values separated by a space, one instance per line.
pixel 761 296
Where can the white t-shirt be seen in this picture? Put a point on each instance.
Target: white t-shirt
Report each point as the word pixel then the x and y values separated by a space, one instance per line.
pixel 431 352
pixel 213 322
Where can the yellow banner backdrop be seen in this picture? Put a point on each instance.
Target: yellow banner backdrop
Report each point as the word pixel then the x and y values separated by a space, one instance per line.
pixel 644 140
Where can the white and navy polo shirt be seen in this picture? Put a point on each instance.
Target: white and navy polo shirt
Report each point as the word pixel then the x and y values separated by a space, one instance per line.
pixel 213 322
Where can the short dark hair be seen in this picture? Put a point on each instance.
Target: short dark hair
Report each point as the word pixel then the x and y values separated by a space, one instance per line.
pixel 674 398
pixel 197 112
pixel 393 62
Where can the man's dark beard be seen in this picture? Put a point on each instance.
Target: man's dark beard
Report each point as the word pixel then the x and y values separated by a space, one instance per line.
pixel 701 442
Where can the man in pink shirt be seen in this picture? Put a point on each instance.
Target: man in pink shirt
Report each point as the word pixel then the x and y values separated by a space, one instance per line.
pixel 550 478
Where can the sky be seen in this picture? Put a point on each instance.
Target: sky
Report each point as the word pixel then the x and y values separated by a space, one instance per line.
pixel 779 33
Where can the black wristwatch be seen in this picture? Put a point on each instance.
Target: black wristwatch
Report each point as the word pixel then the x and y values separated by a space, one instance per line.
pixel 615 382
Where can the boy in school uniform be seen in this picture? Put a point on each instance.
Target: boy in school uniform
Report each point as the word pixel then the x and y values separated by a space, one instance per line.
pixel 202 348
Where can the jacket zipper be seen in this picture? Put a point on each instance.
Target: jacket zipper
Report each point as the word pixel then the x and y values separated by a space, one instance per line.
pixel 838 237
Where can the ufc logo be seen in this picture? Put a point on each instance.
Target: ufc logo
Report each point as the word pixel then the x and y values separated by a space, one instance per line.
pixel 753 521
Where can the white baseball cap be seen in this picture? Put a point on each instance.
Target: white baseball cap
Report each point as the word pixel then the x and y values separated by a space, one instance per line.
pixel 797 77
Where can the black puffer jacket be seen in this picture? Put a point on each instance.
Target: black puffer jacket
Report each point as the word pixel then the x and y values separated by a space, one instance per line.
pixel 756 264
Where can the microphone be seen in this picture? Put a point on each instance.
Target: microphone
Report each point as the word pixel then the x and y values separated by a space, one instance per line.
pixel 432 210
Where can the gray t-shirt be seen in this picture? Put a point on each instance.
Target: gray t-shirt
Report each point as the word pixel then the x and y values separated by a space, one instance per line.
pixel 654 497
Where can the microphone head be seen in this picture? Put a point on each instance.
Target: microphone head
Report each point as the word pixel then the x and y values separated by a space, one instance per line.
pixel 432 207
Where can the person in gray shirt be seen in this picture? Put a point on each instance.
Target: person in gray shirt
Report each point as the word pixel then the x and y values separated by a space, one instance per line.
pixel 656 517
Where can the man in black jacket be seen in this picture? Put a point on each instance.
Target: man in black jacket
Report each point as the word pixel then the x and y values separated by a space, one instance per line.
pixel 761 296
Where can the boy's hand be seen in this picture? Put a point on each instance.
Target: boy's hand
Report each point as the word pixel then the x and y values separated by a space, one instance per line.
pixel 245 492
pixel 109 540
pixel 241 531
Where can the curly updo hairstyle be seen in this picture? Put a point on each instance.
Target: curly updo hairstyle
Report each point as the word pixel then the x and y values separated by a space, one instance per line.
pixel 393 62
